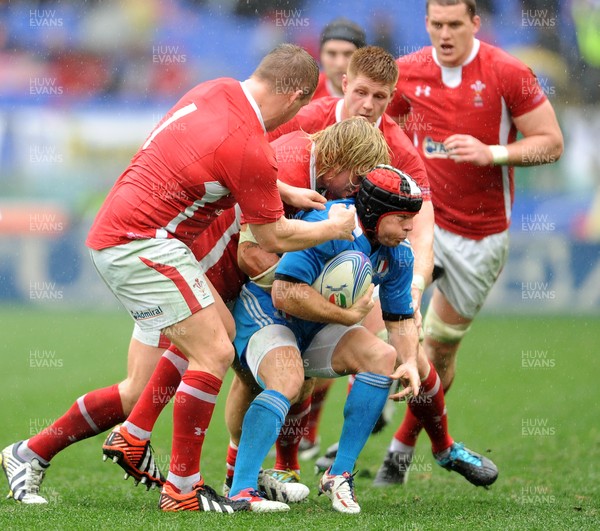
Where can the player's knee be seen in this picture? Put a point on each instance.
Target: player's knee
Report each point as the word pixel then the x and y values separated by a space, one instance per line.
pixel 380 359
pixel 289 385
pixel 442 332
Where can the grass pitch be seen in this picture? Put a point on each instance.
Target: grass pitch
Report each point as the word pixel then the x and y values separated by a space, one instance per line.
pixel 527 394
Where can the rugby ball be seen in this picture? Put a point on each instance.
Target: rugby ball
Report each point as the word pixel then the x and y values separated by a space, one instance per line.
pixel 345 278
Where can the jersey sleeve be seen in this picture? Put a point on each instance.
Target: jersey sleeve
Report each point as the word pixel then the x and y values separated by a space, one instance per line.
pixel 395 289
pixel 520 87
pixel 252 179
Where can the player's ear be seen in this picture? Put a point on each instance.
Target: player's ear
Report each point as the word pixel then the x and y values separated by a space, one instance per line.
pixel 296 95
pixel 344 83
pixel 476 24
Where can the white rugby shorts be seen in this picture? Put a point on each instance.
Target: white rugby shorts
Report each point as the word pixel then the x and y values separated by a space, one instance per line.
pixel 471 267
pixel 158 281
pixel 316 359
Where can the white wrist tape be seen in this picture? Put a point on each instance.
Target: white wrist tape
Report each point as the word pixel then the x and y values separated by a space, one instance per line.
pixel 418 281
pixel 499 154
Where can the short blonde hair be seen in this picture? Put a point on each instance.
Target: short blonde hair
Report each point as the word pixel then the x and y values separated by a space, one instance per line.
pixel 289 68
pixel 353 144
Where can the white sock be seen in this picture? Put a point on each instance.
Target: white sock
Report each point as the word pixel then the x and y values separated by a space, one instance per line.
pixel 397 446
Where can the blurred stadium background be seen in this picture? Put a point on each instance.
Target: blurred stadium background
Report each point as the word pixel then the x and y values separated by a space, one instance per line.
pixel 81 85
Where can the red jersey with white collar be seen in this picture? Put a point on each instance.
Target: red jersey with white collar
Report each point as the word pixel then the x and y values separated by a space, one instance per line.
pixel 478 99
pixel 208 153
pixel 319 114
pixel 323 88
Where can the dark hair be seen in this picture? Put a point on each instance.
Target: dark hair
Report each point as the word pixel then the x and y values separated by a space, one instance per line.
pixel 344 30
pixel 471 5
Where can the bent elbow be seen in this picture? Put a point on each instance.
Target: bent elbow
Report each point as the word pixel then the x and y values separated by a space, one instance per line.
pixel 559 148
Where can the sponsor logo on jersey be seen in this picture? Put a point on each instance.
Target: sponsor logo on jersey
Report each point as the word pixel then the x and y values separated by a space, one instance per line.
pixel 478 87
pixel 142 315
pixel 424 90
pixel 433 149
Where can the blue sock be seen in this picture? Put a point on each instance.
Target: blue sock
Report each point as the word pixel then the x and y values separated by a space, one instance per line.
pixel 260 429
pixel 363 407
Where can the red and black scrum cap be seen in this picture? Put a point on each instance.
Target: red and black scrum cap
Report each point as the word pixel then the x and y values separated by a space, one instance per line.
pixel 385 191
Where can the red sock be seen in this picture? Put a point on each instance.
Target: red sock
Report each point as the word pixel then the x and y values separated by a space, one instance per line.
pixel 430 408
pixel 409 430
pixel 290 435
pixel 316 408
pixel 91 414
pixel 159 390
pixel 232 451
pixel 194 405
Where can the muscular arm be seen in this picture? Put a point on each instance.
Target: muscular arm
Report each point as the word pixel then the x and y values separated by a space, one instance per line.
pixel 294 234
pixel 542 142
pixel 421 240
pixel 304 302
pixel 252 259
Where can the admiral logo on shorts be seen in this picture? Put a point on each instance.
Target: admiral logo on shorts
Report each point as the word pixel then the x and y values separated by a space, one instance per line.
pixel 142 315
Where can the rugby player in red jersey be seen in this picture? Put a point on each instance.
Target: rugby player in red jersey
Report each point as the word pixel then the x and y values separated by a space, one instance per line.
pixel 473 98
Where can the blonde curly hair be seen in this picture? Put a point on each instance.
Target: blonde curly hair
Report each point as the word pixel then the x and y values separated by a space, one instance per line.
pixel 353 144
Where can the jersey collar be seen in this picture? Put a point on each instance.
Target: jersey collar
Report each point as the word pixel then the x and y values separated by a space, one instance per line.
pixel 254 105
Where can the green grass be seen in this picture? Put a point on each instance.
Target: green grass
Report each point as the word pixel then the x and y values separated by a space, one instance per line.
pixel 548 478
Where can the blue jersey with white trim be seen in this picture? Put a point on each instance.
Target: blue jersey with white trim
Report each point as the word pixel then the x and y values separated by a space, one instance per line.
pixel 392 266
